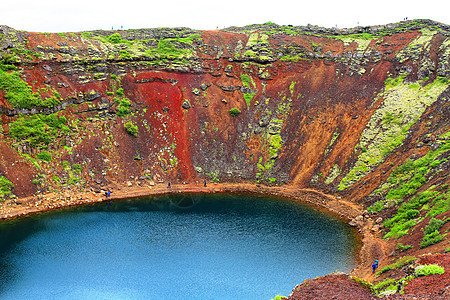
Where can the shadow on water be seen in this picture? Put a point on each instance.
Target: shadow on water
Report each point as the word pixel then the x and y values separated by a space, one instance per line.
pixel 12 233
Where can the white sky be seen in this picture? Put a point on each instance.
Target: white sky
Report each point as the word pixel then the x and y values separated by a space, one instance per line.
pixel 73 15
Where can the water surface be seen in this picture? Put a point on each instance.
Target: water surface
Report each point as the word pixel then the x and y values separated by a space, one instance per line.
pixel 172 247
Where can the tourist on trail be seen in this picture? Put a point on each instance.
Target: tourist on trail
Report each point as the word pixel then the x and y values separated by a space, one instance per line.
pixel 108 194
pixel 374 266
pixel 399 286
pixel 376 262
pixel 168 186
pixel 204 182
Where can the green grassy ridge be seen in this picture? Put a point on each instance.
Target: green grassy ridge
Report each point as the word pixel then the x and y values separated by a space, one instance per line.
pixel 174 48
pixel 404 182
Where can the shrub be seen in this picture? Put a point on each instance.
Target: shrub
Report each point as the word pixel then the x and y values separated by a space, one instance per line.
pixel 425 270
pixel 412 213
pixel 115 38
pixel 431 239
pixel 235 112
pixel 45 156
pixel 119 92
pixel 123 108
pixel 433 225
pixel 131 128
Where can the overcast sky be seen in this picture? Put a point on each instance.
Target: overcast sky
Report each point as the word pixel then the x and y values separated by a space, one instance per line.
pixel 68 16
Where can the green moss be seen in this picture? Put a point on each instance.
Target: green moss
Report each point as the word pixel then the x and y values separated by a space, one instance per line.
pixel 245 80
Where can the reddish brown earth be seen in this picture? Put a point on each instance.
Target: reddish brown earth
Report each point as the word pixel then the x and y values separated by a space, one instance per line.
pixel 333 286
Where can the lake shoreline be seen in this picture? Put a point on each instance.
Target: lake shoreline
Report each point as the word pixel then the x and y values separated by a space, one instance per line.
pixel 330 204
pixel 22 207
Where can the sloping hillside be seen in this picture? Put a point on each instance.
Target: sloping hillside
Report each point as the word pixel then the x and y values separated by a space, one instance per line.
pixel 361 114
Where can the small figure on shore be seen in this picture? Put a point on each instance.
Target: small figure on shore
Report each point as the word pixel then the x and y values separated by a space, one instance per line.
pixel 399 286
pixel 168 186
pixel 107 194
pixel 376 262
pixel 374 266
pixel 204 182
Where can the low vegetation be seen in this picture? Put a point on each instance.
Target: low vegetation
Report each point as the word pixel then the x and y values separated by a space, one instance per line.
pixel 131 128
pixel 425 270
pixel 401 262
pixel 234 112
pixel 38 130
pixel 5 187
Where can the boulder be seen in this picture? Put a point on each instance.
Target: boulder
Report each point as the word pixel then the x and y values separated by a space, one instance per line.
pixel 186 104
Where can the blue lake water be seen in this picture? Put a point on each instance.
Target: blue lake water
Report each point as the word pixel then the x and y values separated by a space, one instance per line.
pixel 220 246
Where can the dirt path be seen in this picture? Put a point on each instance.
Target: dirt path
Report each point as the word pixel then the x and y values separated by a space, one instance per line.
pixel 372 248
pixel 24 206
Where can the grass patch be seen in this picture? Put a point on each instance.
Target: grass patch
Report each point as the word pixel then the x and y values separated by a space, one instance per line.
pixel 406 179
pixel 20 95
pixel 401 248
pixel 38 130
pixel 5 187
pixel 401 262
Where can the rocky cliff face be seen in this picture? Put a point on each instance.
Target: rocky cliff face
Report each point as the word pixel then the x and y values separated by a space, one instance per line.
pixel 362 113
